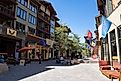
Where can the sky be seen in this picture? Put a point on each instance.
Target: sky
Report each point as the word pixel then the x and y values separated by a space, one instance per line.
pixel 78 15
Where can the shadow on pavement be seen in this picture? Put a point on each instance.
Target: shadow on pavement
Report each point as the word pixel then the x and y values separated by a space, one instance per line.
pixel 18 72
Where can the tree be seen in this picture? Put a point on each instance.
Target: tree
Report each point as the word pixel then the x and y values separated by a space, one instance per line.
pixel 67 40
pixel 85 49
pixel 75 44
pixel 61 34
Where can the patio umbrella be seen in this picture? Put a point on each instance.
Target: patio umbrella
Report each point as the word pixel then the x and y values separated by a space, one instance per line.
pixel 26 49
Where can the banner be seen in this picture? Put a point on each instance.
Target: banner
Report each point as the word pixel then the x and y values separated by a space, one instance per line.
pixel 105 26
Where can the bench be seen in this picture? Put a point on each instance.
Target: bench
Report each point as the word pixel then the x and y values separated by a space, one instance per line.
pixel 104 65
pixel 113 74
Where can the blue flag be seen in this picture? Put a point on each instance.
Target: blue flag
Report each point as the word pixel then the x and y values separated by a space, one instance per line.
pixel 105 26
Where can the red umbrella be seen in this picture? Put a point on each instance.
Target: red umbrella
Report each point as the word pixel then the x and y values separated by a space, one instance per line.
pixel 26 49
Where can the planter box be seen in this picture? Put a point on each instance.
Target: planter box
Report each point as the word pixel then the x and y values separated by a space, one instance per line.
pixel 3 67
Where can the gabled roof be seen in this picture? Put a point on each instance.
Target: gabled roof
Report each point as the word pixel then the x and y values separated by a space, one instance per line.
pixel 49 5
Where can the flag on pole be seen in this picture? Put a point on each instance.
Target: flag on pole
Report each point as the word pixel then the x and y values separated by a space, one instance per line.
pixel 89 34
pixel 105 26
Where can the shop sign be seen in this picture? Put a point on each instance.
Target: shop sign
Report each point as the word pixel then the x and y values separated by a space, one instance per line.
pixel 11 32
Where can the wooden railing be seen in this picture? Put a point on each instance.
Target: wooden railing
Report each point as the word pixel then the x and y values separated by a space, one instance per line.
pixel 7 12
pixel 13 1
pixel 43 18
pixel 9 1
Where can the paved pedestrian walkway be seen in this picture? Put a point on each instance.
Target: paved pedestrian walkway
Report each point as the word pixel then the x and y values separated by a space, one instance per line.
pixel 36 72
pixel 18 72
pixel 81 72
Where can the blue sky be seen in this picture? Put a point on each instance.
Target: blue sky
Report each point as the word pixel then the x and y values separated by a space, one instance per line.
pixel 79 15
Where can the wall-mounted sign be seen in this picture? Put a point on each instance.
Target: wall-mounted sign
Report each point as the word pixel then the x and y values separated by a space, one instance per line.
pixel 11 32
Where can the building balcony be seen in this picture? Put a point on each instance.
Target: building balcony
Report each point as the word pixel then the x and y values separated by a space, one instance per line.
pixel 101 3
pixel 45 30
pixel 9 1
pixel 32 33
pixel 98 19
pixel 21 34
pixel 101 6
pixel 6 13
pixel 43 18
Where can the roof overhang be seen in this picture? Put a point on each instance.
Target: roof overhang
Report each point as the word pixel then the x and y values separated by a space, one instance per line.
pixel 49 6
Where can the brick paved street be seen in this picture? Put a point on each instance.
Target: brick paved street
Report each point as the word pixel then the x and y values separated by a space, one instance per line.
pixel 36 72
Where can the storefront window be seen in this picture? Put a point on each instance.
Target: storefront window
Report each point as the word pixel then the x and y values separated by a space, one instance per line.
pixel 113 43
pixel 105 50
pixel 119 39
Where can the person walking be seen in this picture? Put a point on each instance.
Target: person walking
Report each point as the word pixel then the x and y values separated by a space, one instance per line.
pixel 40 59
pixel 39 55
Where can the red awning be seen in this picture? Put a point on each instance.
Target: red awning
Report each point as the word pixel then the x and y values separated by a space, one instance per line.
pixel 26 49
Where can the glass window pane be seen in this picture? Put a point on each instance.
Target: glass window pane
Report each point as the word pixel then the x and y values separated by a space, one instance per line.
pixel 30 6
pixel 34 20
pixel 18 11
pixel 22 2
pixel 19 0
pixel 26 3
pixel 29 17
pixel 24 16
pixel 21 14
pixel 35 10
